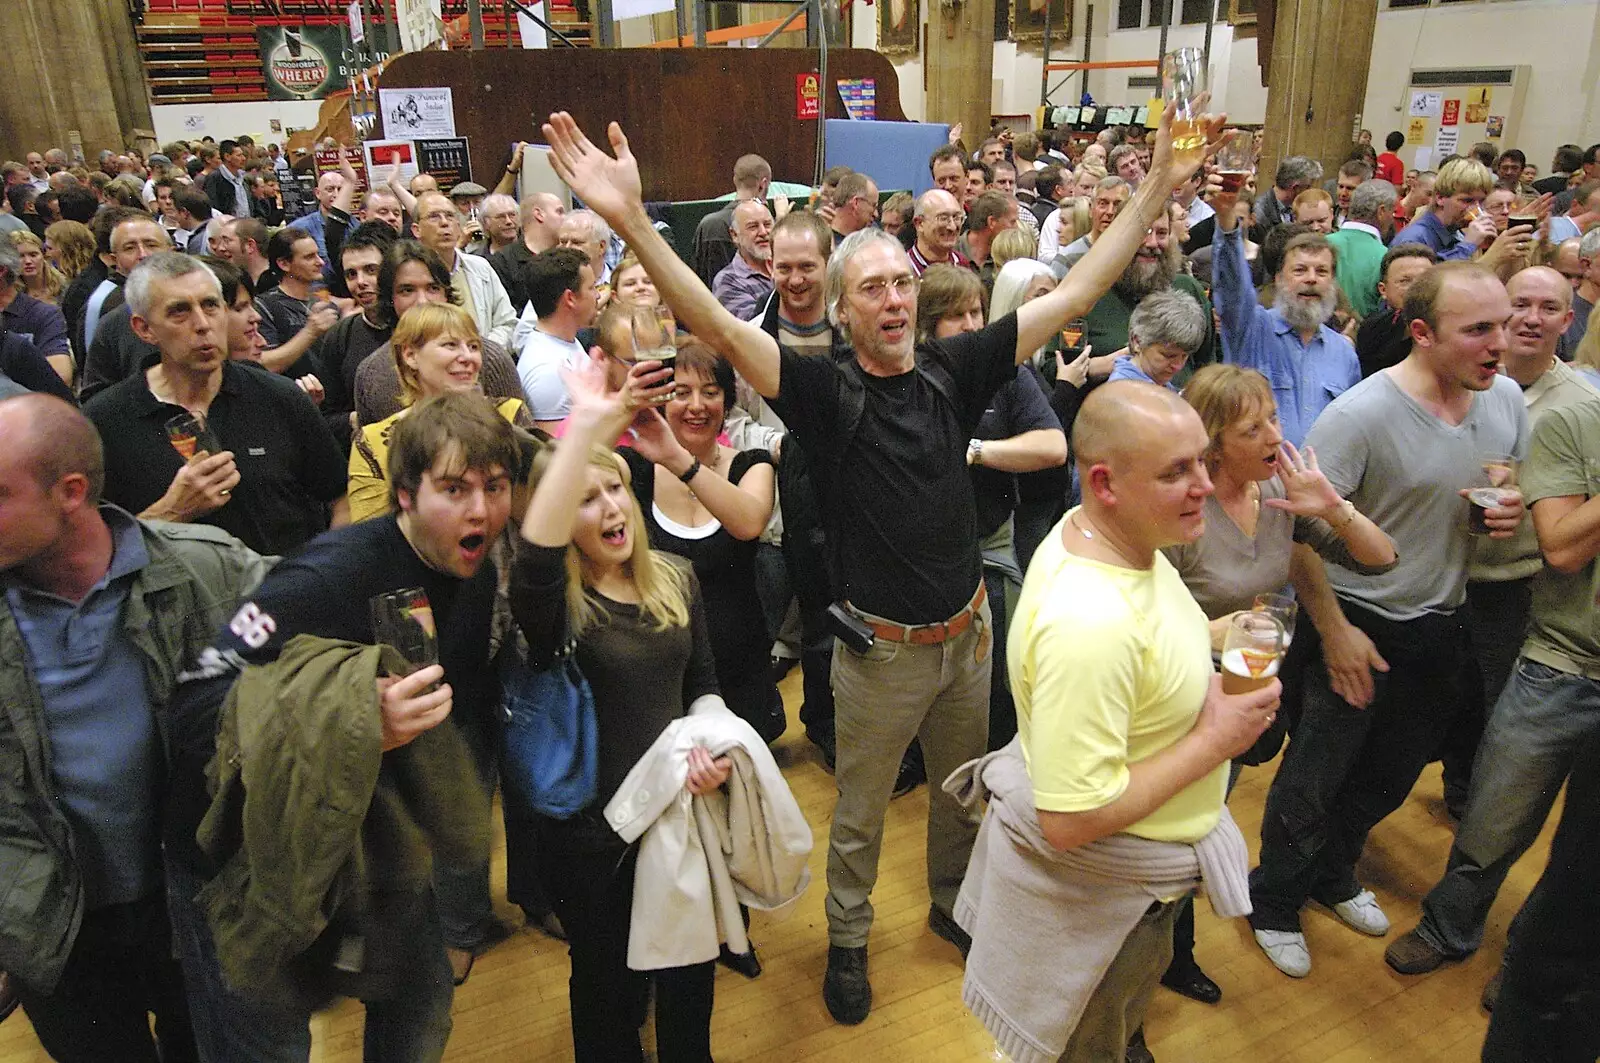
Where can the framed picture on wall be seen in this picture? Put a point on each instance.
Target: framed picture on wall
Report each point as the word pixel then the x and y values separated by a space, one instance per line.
pixel 1027 20
pixel 899 23
pixel 1242 12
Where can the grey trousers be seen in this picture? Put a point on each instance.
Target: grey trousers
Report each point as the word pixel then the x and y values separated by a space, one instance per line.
pixel 938 694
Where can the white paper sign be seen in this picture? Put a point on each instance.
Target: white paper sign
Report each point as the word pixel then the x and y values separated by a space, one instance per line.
pixel 412 113
pixel 533 34
pixel 1423 160
pixel 1426 104
pixel 382 155
pixel 358 28
pixel 621 9
pixel 420 23
pixel 1445 143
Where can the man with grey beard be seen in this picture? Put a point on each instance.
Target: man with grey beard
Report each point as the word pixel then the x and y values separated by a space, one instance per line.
pixel 1307 363
pixel 1157 266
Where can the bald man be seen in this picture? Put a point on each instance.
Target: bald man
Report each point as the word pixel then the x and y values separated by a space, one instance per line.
pixel 938 219
pixel 84 931
pixel 1501 803
pixel 744 284
pixel 541 217
pixel 1123 743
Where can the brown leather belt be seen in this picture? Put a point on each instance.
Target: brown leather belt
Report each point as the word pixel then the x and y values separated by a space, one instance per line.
pixel 927 634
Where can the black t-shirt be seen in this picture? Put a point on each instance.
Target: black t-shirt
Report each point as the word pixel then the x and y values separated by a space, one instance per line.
pixel 726 568
pixel 1384 339
pixel 282 316
pixel 337 355
pixel 905 546
pixel 327 590
pixel 1017 407
pixel 289 466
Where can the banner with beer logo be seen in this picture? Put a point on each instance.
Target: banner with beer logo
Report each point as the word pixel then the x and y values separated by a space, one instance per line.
pixel 308 62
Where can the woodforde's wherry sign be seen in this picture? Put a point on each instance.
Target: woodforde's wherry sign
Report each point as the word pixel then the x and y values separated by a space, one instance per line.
pixel 309 62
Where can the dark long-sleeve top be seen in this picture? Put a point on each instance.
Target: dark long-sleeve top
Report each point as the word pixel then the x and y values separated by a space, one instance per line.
pixel 642 678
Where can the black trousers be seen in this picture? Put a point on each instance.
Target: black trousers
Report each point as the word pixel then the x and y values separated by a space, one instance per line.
pixel 1347 768
pixel 588 876
pixel 121 971
pixel 1549 1005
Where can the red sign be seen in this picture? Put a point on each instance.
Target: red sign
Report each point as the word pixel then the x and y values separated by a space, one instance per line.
pixel 1452 113
pixel 807 96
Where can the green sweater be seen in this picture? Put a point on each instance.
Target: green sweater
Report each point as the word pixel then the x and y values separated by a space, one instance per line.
pixel 1360 267
pixel 1108 324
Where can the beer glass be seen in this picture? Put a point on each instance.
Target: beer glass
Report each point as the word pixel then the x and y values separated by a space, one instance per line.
pixel 1183 79
pixel 404 619
pixel 1251 652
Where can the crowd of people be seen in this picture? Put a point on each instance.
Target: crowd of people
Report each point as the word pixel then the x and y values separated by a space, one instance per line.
pixel 1011 470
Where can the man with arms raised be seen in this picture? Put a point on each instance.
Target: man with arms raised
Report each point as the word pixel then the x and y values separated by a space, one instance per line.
pixel 891 429
pixel 1123 743
pixel 1403 445
pixel 1306 362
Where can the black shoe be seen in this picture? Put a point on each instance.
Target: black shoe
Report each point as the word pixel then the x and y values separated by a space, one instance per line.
pixel 1491 992
pixel 745 963
pixel 824 743
pixel 1138 1051
pixel 1192 982
pixel 912 773
pixel 782 666
pixel 8 995
pixel 946 927
pixel 845 989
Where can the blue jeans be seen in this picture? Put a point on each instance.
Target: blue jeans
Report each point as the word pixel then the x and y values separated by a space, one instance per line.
pixel 1348 768
pixel 1543 719
pixel 412 1026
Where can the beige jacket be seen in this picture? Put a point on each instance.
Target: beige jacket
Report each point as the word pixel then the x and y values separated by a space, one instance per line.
pixel 701 857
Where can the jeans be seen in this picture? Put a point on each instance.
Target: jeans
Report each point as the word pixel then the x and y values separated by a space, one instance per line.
pixel 808 573
pixel 411 1026
pixel 1497 617
pixel 1549 1005
pixel 462 889
pixel 896 692
pixel 120 972
pixel 1347 768
pixel 1541 722
pixel 588 873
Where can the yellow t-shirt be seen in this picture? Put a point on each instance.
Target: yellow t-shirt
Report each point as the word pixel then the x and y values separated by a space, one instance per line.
pixel 1109 666
pixel 367 486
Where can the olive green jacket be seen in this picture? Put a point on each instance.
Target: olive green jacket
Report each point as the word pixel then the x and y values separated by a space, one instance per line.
pixel 195 580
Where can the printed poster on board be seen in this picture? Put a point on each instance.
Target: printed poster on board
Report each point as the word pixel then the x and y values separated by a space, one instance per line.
pixel 412 113
pixel 447 159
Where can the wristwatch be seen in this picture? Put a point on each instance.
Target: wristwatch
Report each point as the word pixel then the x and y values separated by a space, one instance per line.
pixel 974 452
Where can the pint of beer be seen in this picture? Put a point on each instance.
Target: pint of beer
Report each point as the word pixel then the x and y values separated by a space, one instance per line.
pixel 1251 652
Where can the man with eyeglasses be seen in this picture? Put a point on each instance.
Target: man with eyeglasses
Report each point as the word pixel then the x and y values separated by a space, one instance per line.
pixel 938 220
pixel 856 205
pixel 886 437
pixel 474 281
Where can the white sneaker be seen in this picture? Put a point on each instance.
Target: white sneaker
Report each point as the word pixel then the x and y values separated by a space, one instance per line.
pixel 1362 913
pixel 1287 951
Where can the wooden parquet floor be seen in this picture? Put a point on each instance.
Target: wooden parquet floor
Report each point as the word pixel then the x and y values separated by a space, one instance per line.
pixel 1352 1008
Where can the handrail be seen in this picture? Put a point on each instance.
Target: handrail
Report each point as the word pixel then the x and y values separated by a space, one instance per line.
pixel 1121 64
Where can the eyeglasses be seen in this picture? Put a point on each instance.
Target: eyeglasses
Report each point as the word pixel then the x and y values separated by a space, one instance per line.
pixel 439 217
pixel 877 289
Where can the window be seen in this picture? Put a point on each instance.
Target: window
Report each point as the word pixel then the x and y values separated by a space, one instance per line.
pixel 1146 14
pixel 1130 14
pixel 1196 12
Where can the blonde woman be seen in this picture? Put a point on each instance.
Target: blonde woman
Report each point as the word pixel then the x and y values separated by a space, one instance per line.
pixel 69 245
pixel 39 278
pixel 1011 245
pixel 436 349
pixel 585 574
pixel 632 285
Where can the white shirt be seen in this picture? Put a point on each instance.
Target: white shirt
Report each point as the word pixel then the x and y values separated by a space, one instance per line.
pixel 1199 211
pixel 539 366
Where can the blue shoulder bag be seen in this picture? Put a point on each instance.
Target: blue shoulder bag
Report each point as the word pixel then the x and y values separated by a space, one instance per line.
pixel 550 744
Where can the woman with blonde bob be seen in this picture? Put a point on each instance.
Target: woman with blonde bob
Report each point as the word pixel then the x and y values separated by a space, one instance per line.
pixel 585 577
pixel 69 245
pixel 436 349
pixel 1271 514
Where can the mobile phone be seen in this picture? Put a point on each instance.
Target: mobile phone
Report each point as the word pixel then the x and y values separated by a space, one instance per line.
pixel 850 628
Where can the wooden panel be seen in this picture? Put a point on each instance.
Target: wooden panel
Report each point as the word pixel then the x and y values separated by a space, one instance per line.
pixel 689 113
